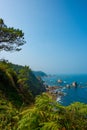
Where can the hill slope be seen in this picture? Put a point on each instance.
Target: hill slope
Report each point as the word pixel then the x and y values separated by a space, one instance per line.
pixel 18 84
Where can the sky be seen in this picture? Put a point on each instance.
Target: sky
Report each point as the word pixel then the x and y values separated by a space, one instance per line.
pixel 55 33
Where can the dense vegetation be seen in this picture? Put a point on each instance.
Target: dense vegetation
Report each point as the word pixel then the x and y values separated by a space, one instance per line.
pixel 46 114
pixel 49 115
pixel 18 89
pixel 19 84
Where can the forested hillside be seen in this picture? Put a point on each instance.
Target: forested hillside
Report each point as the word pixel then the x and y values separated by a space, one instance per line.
pixel 18 84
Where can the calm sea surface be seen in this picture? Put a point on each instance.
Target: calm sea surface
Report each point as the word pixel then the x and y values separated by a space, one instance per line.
pixel 72 94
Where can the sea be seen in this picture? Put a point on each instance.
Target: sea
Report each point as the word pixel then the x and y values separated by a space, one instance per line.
pixel 71 94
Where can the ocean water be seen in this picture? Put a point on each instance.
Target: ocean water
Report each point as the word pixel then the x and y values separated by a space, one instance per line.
pixel 72 94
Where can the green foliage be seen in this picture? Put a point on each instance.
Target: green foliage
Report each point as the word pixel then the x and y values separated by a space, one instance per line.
pixel 19 84
pixel 23 76
pixel 77 115
pixel 42 116
pixel 9 86
pixel 15 93
pixel 27 77
pixel 10 38
pixel 8 115
pixel 49 115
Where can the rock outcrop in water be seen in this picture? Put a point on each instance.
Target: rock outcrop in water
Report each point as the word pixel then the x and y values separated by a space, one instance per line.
pixel 60 81
pixel 74 84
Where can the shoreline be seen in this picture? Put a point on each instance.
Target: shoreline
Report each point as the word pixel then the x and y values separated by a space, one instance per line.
pixel 51 91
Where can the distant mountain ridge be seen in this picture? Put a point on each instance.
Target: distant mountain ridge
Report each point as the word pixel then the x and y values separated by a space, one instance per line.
pixel 39 73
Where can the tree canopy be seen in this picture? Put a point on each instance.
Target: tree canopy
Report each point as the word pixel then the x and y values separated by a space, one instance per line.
pixel 10 39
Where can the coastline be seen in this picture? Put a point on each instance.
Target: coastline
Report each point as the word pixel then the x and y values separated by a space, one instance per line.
pixel 51 91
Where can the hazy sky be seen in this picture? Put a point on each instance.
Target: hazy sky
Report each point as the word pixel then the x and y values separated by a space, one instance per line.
pixel 55 32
